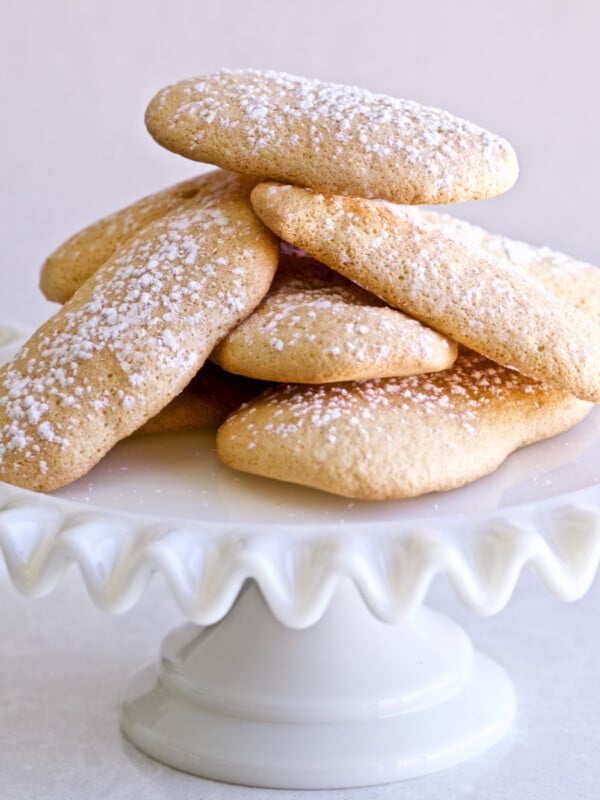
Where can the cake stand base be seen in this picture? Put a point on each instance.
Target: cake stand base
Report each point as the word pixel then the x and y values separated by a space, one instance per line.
pixel 351 701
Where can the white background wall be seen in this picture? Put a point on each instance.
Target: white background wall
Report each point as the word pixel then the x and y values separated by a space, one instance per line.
pixel 75 77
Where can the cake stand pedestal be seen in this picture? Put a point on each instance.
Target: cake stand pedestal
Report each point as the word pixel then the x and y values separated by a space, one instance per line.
pixel 349 701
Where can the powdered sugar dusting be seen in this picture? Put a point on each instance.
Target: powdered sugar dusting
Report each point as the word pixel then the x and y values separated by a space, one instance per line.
pixel 458 395
pixel 308 301
pixel 76 259
pixel 573 281
pixel 135 333
pixel 357 132
pixel 323 326
pixel 463 292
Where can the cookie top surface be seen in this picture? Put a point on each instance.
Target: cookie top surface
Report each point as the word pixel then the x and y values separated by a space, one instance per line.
pixel 72 263
pixel 133 336
pixel 396 437
pixel 331 137
pixel 477 299
pixel 576 282
pixel 314 326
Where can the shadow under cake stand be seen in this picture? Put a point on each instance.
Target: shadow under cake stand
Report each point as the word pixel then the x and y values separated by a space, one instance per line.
pixel 310 660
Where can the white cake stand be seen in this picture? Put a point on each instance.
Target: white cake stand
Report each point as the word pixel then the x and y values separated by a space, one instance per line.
pixel 311 661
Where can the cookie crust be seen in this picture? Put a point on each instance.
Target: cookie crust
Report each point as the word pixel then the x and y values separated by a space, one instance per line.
pixel 334 138
pixel 396 437
pixel 450 285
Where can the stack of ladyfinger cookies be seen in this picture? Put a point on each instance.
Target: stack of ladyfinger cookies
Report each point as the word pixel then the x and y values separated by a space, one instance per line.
pixel 354 341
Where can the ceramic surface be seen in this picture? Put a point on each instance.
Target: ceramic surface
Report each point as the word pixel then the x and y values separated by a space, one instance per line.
pixel 248 699
pixel 166 504
pixel 350 701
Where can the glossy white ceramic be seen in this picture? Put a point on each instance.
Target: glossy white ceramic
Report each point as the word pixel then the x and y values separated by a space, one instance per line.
pixel 348 702
pixel 342 700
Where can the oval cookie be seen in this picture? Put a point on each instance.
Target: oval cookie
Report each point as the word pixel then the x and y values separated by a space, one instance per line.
pixel 455 288
pixel 335 138
pixel 314 326
pixel 132 337
pixel 72 263
pixel 396 437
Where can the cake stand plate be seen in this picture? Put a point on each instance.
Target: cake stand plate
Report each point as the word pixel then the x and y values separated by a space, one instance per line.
pixel 310 660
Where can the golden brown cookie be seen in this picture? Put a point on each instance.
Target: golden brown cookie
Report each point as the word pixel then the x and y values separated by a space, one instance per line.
pixel 314 326
pixel 396 437
pixel 334 138
pixel 573 281
pixel 133 336
pixel 206 401
pixel 476 299
pixel 75 260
